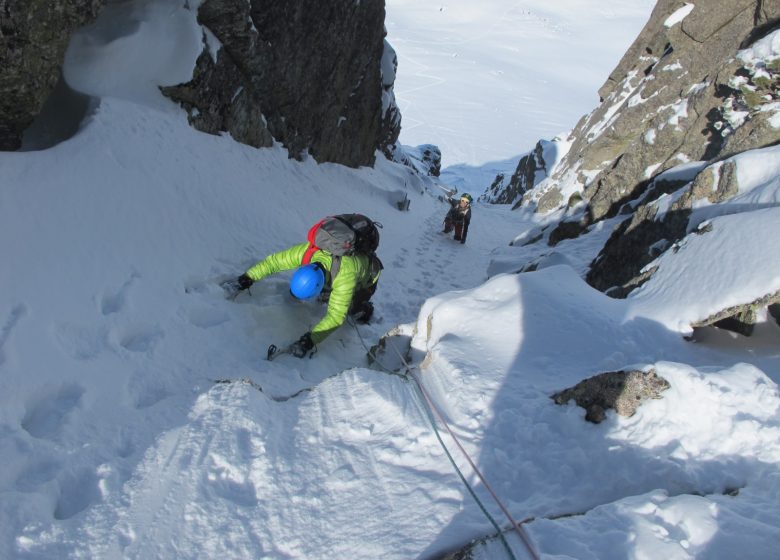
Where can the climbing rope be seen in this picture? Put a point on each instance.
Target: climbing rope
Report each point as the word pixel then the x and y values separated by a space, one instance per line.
pixel 429 407
pixel 521 533
pixel 471 491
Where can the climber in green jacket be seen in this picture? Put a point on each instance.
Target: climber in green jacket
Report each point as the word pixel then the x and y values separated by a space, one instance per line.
pixel 346 283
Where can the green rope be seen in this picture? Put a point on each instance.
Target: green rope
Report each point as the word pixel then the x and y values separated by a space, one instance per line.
pixel 432 420
pixel 423 403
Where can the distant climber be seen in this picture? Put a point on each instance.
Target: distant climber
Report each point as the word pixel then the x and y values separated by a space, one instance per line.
pixel 459 217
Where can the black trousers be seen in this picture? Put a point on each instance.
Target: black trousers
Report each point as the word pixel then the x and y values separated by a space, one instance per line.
pixel 450 224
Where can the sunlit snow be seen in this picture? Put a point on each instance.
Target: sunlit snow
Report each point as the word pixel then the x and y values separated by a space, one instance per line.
pixel 139 417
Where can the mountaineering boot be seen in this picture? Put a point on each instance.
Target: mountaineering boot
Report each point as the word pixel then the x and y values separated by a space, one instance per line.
pixel 364 313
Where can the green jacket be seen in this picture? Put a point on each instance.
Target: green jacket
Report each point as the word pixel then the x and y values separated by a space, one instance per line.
pixel 355 272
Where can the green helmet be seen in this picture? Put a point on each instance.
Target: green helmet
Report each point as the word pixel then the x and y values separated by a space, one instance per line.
pixel 466 196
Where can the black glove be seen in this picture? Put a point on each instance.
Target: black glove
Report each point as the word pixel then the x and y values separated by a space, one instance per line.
pixel 300 348
pixel 244 282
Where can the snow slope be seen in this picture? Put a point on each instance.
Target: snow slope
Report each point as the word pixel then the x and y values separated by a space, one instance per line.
pixel 140 419
pixel 478 80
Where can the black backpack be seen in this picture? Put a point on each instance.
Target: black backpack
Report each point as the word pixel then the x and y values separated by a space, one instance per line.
pixel 345 234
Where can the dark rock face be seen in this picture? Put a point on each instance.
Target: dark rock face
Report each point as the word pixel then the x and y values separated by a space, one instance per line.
pixel 316 77
pixel 217 101
pixel 622 391
pixel 390 125
pixel 674 89
pixel 425 159
pixel 33 37
pixel 531 170
pixel 313 76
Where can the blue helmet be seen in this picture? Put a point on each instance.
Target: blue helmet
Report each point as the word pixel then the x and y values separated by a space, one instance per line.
pixel 308 281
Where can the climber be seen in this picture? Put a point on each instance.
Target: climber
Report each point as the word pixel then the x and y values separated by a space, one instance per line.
pixel 459 217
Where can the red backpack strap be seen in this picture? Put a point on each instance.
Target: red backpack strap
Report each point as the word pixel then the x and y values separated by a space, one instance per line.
pixel 309 253
pixel 312 247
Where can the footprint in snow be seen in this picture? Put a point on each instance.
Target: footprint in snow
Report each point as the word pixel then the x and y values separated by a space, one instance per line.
pixel 141 339
pixel 81 342
pixel 228 482
pixel 146 390
pixel 46 414
pixel 114 302
pixel 78 491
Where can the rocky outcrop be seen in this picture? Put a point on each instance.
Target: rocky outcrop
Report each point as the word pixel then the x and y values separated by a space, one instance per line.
pixel 34 35
pixel 660 228
pixel 390 125
pixel 742 318
pixel 699 86
pixel 622 391
pixel 216 101
pixel 315 77
pixel 531 170
pixel 425 159
pixel 680 94
pixel 523 179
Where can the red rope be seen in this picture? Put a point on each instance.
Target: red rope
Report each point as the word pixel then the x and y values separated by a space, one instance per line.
pixel 517 526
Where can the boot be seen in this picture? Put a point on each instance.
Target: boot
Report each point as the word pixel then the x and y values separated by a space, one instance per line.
pixel 364 313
